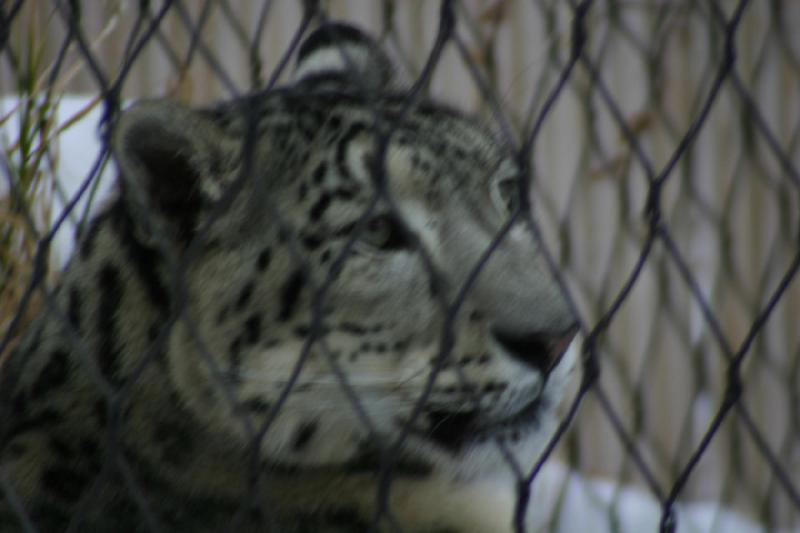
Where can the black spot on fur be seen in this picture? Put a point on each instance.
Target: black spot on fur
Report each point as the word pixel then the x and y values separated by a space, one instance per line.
pixel 334 123
pixel 312 241
pixel 325 256
pixel 433 288
pixel 369 459
pixel 53 375
pixel 400 346
pixel 290 294
pixel 144 259
pixel 345 192
pixel 304 435
pixel 222 316
pixel 153 332
pixel 244 295
pixel 257 405
pixel 252 329
pixel 319 207
pixel 352 327
pixel 264 259
pixel 235 359
pixel 64 483
pixel 494 386
pixel 319 173
pixel 110 297
pixel 74 309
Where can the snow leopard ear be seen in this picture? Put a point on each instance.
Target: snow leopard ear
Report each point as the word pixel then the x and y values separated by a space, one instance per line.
pixel 340 52
pixel 170 159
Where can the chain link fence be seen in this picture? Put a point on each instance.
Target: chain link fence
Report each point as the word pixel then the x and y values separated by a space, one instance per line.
pixel 662 138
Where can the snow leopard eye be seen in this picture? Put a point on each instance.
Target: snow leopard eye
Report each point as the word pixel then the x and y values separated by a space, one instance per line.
pixel 384 232
pixel 505 194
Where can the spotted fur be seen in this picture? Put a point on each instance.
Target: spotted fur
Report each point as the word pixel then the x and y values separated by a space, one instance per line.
pixel 198 366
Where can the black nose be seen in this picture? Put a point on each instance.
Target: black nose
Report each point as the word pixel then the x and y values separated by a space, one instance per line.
pixel 542 351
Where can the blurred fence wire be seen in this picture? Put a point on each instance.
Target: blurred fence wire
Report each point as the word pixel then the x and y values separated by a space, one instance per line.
pixel 663 142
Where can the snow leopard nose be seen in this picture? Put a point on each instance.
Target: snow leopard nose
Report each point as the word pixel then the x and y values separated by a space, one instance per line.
pixel 541 351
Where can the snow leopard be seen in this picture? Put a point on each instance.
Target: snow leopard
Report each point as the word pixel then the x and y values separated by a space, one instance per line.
pixel 309 308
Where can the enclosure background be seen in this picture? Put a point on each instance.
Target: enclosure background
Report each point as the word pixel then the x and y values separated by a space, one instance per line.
pixel 730 205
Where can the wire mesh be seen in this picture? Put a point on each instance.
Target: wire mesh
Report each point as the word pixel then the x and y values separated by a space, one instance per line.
pixel 659 143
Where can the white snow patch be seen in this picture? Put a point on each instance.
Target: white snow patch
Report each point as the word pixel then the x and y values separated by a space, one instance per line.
pixel 74 151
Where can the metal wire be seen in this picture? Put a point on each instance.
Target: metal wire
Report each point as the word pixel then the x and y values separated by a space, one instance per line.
pixel 664 196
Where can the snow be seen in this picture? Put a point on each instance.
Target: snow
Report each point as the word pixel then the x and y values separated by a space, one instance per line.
pixel 74 151
pixel 602 506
